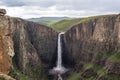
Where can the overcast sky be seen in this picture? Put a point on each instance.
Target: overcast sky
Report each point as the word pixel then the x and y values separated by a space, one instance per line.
pixel 59 8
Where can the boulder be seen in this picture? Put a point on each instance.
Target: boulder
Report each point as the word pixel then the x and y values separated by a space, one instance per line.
pixel 5 77
pixel 2 12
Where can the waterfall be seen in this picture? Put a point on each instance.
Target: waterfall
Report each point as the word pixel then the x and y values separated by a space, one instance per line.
pixel 59 51
pixel 59 69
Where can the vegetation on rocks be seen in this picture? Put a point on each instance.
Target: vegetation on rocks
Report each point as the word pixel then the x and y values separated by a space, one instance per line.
pixel 64 25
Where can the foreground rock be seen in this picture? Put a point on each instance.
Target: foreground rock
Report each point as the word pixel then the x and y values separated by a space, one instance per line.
pixel 34 46
pixel 6 44
pixel 5 77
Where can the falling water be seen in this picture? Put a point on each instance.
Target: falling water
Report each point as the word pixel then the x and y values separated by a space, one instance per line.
pixel 59 51
pixel 59 77
pixel 59 69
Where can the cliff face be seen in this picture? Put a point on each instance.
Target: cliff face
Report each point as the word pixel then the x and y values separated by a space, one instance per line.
pixel 94 43
pixel 91 49
pixel 35 48
pixel 6 43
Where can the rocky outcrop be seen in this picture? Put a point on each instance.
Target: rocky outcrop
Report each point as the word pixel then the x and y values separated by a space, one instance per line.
pixel 94 41
pixel 2 12
pixel 5 77
pixel 6 42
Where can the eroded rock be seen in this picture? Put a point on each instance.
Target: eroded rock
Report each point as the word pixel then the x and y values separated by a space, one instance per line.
pixel 2 12
pixel 5 77
pixel 6 44
pixel 94 41
pixel 35 48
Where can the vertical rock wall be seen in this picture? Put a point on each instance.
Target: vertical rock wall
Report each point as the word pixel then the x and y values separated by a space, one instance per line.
pixel 6 43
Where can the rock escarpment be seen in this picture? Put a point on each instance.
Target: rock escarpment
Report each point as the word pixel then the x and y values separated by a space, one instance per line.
pixel 35 48
pixel 91 48
pixel 6 42
pixel 95 44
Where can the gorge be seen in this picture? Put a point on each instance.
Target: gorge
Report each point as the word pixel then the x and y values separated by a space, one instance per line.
pixel 90 49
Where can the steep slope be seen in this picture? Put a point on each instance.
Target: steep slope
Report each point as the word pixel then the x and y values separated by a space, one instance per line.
pixel 6 42
pixel 94 49
pixel 35 48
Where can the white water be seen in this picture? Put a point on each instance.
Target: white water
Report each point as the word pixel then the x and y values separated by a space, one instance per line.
pixel 59 77
pixel 59 51
pixel 59 69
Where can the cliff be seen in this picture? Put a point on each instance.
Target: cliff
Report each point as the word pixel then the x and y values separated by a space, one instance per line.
pixel 35 48
pixel 6 42
pixel 93 47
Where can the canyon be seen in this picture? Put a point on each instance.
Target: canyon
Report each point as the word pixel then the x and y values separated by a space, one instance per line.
pixel 91 49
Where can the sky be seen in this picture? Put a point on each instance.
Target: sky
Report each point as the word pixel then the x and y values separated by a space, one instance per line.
pixel 59 8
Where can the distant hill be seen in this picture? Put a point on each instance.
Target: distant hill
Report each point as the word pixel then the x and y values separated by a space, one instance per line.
pixel 47 20
pixel 64 25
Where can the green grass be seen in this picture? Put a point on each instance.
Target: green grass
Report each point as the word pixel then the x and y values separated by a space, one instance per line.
pixel 113 77
pixel 19 75
pixel 91 78
pixel 115 57
pixel 64 25
pixel 92 66
pixel 88 66
pixel 47 23
pixel 75 76
pixel 2 78
pixel 101 72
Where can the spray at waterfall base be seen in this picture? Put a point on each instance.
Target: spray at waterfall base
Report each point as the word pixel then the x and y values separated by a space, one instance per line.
pixel 59 69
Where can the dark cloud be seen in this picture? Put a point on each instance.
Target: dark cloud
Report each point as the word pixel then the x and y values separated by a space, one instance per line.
pixel 12 3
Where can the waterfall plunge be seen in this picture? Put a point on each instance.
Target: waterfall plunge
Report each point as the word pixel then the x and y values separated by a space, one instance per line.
pixel 59 69
pixel 59 51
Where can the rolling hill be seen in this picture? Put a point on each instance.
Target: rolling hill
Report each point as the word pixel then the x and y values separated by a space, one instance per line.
pixel 64 25
pixel 47 20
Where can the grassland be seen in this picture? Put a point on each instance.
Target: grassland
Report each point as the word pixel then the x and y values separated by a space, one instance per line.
pixel 64 25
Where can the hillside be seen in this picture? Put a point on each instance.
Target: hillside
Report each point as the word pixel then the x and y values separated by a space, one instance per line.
pixel 47 20
pixel 65 25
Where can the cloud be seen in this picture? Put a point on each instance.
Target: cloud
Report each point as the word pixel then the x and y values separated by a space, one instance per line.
pixel 72 8
pixel 12 3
